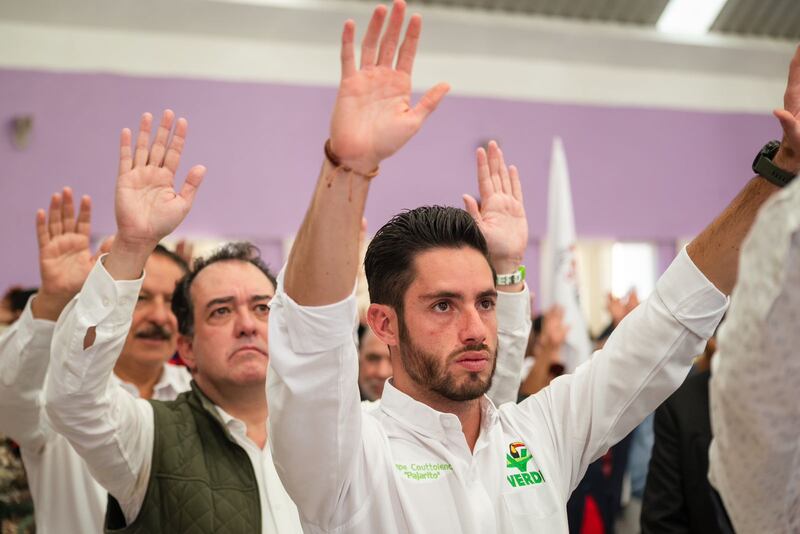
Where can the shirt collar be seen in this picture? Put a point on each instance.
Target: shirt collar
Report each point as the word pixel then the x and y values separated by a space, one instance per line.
pixel 425 420
pixel 173 381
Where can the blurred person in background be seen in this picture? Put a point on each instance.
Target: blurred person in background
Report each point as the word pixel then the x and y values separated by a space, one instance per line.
pixel 66 497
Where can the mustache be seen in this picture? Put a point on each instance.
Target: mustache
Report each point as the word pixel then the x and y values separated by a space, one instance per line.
pixel 154 331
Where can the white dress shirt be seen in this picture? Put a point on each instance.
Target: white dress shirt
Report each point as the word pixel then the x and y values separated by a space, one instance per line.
pixel 66 498
pixel 403 467
pixel 113 431
pixel 754 460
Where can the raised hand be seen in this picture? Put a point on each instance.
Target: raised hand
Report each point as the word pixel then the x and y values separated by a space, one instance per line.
pixel 147 206
pixel 373 116
pixel 554 331
pixel 788 156
pixel 64 256
pixel 501 215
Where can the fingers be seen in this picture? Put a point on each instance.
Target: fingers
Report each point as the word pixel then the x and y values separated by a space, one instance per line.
pixel 494 166
pixel 471 205
pixel 408 50
pixel 173 155
pixel 430 100
pixel 67 211
pixel 516 185
pixel 392 34
pixel 54 216
pixel 125 157
pixel 84 216
pixel 192 183
pixel 42 233
pixel 142 141
pixel 159 147
pixel 348 55
pixel 505 179
pixel 485 186
pixel 369 45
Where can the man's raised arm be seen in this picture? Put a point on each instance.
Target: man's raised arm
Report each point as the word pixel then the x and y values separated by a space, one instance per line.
pixel 64 263
pixel 313 391
pixel 108 427
pixel 501 218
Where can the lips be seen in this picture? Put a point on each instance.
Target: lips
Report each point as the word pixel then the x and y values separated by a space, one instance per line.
pixel 249 348
pixel 473 361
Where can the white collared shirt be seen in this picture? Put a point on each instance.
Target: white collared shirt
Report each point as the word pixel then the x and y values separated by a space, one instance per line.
pixel 111 430
pixel 754 460
pixel 66 498
pixel 403 467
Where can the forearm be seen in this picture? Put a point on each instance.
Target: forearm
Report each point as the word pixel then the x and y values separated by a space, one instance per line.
pixel 716 250
pixel 24 358
pixel 539 377
pixel 513 329
pixel 323 263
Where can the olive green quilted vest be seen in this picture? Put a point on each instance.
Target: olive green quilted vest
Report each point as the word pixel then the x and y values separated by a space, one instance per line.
pixel 201 480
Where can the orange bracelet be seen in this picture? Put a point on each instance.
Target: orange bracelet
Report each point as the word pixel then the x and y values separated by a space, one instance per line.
pixel 336 162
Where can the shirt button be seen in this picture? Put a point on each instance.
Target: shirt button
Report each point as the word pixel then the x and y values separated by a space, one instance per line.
pixel 124 301
pixel 105 302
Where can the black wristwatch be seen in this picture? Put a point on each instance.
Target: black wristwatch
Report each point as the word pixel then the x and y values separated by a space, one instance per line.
pixel 764 167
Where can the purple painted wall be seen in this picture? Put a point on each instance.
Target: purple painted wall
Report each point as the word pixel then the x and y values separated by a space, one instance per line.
pixel 636 173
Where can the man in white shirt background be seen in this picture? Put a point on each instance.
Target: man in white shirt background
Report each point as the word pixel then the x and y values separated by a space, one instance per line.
pixel 437 456
pixel 66 497
pixel 200 463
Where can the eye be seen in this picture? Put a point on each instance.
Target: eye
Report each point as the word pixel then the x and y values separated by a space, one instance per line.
pixel 486 304
pixel 442 306
pixel 261 309
pixel 220 312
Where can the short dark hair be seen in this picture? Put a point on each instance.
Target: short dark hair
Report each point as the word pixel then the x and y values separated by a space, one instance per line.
pixel 237 251
pixel 389 261
pixel 164 251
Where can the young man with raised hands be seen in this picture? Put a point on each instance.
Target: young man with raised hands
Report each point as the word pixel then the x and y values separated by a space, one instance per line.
pixel 437 456
pixel 66 497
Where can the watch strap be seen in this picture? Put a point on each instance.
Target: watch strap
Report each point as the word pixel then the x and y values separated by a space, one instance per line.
pixel 764 166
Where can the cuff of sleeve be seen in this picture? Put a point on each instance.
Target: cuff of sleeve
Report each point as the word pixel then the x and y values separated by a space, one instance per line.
pixel 35 332
pixel 514 310
pixel 314 329
pixel 103 299
pixel 691 298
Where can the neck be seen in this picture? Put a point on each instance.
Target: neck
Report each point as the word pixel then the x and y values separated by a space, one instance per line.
pixel 468 412
pixel 143 376
pixel 248 404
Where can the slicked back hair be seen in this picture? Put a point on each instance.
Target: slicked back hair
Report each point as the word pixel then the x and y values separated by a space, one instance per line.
pixel 182 305
pixel 389 263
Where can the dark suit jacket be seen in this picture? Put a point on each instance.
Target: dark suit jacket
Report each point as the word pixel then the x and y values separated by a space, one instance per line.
pixel 677 497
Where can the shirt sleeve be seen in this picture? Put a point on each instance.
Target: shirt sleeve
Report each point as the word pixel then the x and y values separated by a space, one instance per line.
pixel 107 426
pixel 315 408
pixel 645 360
pixel 754 459
pixel 24 357
pixel 513 329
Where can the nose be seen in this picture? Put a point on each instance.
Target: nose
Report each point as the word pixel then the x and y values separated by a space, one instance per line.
pixel 245 323
pixel 385 369
pixel 472 329
pixel 160 311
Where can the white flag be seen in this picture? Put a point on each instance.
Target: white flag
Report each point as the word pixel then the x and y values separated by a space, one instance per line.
pixel 559 282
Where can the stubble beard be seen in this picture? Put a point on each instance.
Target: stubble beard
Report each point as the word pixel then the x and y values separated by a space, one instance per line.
pixel 428 371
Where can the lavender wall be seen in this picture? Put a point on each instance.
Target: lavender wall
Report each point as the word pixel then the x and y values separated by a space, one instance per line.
pixel 636 173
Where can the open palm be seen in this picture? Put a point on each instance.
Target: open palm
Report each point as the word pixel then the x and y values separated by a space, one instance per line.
pixel 501 214
pixel 146 204
pixel 789 117
pixel 373 116
pixel 64 256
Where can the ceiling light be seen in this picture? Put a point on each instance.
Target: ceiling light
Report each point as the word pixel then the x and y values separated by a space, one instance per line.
pixel 689 16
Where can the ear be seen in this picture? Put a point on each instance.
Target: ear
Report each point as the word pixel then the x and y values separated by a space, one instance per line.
pixel 382 319
pixel 186 352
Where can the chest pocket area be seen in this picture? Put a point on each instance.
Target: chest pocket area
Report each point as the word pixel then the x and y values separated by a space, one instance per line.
pixel 535 509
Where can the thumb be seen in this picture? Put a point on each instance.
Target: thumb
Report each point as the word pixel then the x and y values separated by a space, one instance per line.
pixel 430 100
pixel 471 205
pixel 192 183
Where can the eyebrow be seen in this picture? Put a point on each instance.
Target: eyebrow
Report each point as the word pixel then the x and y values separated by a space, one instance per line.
pixel 227 300
pixel 456 296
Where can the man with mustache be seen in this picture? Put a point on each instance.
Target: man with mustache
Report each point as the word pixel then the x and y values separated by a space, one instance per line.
pixel 66 497
pixel 436 455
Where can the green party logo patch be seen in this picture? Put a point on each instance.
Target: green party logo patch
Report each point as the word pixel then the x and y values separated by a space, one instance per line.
pixel 518 458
